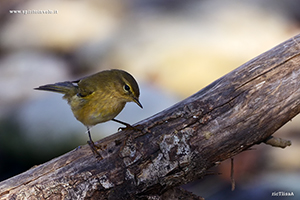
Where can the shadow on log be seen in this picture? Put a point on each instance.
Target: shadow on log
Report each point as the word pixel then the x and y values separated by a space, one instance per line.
pixel 178 145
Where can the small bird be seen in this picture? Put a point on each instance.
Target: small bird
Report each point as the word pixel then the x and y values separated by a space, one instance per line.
pixel 99 97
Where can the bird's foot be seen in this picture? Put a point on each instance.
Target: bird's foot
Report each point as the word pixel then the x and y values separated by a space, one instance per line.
pixel 94 149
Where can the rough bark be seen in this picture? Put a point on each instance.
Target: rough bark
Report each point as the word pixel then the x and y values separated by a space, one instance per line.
pixel 179 144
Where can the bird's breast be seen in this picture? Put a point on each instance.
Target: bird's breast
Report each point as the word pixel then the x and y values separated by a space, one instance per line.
pixel 91 111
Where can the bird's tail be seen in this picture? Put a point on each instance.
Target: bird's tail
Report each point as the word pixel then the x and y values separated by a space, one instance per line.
pixel 66 87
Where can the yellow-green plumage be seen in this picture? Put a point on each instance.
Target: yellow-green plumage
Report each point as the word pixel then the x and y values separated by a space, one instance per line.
pixel 99 97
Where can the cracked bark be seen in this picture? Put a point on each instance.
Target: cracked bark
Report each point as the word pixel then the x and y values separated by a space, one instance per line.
pixel 178 145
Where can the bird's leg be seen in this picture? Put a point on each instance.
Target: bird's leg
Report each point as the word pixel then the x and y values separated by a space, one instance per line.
pixel 92 144
pixel 124 123
pixel 128 126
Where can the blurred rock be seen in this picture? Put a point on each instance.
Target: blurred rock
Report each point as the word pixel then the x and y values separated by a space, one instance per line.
pixel 185 50
pixel 68 25
pixel 20 72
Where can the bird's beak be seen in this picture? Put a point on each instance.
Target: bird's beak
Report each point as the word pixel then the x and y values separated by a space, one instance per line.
pixel 136 100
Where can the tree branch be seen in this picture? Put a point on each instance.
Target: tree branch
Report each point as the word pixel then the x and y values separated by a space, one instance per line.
pixel 179 144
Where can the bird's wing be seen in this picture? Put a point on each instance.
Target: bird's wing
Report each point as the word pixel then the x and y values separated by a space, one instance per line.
pixel 85 87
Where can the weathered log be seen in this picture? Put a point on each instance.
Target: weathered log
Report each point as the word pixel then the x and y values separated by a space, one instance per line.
pixel 178 145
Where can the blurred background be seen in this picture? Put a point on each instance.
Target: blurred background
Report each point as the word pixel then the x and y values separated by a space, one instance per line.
pixel 173 48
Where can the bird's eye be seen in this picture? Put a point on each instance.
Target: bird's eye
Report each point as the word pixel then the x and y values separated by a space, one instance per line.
pixel 126 88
